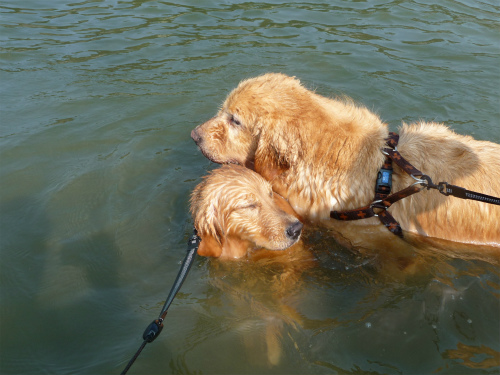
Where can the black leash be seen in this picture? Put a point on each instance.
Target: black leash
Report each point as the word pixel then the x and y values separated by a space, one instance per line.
pixel 459 192
pixel 154 329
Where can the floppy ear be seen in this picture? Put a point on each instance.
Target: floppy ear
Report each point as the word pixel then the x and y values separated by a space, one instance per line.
pixel 269 163
pixel 234 247
pixel 209 246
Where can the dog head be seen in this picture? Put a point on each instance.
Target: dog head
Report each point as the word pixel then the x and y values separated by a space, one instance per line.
pixel 234 210
pixel 270 107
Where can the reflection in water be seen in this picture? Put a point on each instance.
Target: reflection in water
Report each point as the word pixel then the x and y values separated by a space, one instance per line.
pixel 343 304
pixel 478 357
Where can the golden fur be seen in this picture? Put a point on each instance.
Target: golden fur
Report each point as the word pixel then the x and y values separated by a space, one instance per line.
pixel 323 154
pixel 235 210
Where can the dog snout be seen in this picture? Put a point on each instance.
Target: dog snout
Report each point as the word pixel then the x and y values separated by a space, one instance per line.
pixel 294 230
pixel 196 137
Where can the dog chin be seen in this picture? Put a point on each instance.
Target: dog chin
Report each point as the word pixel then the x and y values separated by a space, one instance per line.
pixel 284 246
pixel 210 157
pixel 247 164
pixel 218 161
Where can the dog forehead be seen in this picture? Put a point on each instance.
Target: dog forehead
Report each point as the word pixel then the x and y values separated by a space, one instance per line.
pixel 235 180
pixel 265 95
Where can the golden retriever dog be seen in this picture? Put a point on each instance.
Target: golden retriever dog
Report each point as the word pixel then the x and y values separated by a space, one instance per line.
pixel 323 154
pixel 235 210
pixel 237 215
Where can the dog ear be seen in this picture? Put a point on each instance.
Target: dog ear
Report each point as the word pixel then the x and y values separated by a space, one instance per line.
pixel 269 162
pixel 234 247
pixel 271 168
pixel 209 246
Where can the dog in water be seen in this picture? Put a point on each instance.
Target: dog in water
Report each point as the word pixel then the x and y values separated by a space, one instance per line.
pixel 235 210
pixel 237 215
pixel 324 155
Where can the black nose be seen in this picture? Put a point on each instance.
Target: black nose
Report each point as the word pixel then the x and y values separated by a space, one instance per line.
pixel 196 137
pixel 293 231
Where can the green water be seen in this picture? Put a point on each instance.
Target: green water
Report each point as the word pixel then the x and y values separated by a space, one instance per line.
pixel 98 99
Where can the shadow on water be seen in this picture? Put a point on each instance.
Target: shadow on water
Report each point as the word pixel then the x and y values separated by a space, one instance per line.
pixel 51 293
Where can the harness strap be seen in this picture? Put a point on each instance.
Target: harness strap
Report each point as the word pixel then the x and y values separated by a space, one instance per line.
pixel 381 206
pixel 382 192
pixel 383 200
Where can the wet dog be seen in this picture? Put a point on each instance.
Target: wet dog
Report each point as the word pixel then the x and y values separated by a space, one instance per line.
pixel 235 210
pixel 324 154
pixel 237 215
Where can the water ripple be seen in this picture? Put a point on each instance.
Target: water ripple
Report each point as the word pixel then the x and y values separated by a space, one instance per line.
pixel 98 100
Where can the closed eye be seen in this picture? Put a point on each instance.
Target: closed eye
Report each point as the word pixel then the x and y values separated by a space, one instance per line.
pixel 235 120
pixel 252 206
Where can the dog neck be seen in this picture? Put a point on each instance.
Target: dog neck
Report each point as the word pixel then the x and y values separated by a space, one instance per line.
pixel 337 171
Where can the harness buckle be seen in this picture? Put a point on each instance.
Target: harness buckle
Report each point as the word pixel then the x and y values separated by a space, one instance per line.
pixel 392 149
pixel 384 181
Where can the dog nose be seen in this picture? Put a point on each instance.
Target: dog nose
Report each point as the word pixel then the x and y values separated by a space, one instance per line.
pixel 293 231
pixel 196 137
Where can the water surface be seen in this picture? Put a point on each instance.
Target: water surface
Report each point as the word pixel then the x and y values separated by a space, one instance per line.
pixel 97 102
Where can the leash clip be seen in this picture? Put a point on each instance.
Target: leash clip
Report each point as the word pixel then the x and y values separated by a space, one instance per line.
pixel 194 241
pixel 443 188
pixel 425 181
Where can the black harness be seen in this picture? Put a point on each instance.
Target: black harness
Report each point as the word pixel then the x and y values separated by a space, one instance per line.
pixel 384 199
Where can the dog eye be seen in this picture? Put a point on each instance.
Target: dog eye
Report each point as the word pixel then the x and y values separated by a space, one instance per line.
pixel 252 206
pixel 235 121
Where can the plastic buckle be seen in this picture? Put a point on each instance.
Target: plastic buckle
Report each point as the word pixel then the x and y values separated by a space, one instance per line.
pixel 384 181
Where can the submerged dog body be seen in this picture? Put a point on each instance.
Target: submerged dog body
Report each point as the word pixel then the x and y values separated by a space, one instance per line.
pixel 323 154
pixel 234 210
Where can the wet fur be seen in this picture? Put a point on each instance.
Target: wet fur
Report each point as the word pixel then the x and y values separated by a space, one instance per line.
pixel 235 210
pixel 323 154
pixel 235 213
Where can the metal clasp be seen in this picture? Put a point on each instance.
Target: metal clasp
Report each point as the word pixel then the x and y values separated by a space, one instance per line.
pixel 443 188
pixel 395 149
pixel 426 181
pixel 375 204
